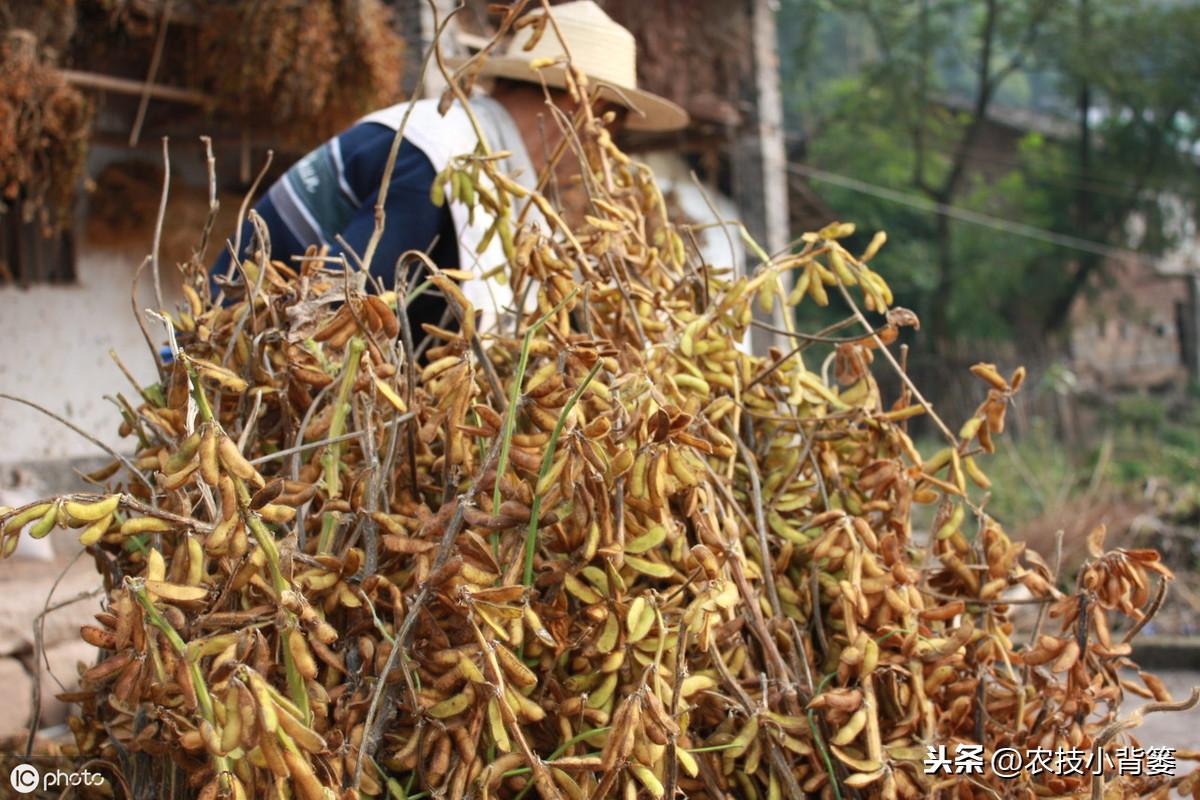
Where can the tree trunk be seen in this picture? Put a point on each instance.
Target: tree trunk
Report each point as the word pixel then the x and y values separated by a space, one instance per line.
pixel 1059 310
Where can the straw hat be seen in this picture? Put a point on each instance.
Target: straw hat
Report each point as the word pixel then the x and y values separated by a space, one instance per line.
pixel 599 47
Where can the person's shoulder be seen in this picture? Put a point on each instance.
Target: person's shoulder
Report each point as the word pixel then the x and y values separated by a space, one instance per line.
pixel 364 136
pixel 364 150
pixel 420 112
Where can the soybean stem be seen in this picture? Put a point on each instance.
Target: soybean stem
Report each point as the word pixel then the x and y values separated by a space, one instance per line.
pixel 333 455
pixel 547 463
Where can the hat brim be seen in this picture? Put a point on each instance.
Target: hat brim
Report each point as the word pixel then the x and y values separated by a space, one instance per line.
pixel 647 112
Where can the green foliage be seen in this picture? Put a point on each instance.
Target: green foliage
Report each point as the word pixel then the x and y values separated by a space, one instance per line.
pixel 887 92
pixel 1153 439
pixel 1136 439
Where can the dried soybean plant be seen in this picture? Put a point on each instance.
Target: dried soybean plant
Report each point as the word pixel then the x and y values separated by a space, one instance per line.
pixel 347 59
pixel 44 126
pixel 595 550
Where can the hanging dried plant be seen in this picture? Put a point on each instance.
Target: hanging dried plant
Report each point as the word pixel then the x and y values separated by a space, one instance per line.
pixel 303 70
pixel 44 127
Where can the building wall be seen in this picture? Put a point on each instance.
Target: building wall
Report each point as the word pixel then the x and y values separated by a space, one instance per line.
pixel 56 338
pixel 56 344
pixel 1127 333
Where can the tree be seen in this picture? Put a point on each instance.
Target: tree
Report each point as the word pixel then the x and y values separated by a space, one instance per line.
pixel 898 94
pixel 1134 69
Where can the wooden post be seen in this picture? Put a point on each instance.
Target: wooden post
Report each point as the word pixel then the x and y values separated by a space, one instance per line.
pixel 758 153
pixel 1190 329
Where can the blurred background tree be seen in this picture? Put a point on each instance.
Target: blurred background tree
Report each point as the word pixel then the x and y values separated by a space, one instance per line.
pixel 897 95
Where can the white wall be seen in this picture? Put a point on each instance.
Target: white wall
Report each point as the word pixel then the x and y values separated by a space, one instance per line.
pixel 54 343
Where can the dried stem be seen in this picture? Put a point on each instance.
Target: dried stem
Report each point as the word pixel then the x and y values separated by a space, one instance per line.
pixel 950 437
pixel 158 222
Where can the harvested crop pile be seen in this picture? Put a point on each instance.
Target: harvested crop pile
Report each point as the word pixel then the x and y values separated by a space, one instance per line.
pixel 317 66
pixel 44 125
pixel 596 551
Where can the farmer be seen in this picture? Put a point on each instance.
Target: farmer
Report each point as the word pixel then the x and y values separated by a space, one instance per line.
pixel 331 193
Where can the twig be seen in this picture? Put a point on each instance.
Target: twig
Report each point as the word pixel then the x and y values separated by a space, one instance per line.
pixel 1160 594
pixel 158 223
pixel 367 525
pixel 128 375
pixel 39 650
pixel 236 260
pixel 672 775
pixel 247 310
pixel 137 315
pixel 155 59
pixel 373 724
pixel 814 591
pixel 410 377
pixel 214 205
pixel 1058 551
pixel 390 166
pixel 721 222
pixel 778 761
pixel 761 529
pixel 1132 721
pixel 820 337
pixel 896 366
pixel 308 445
pixel 541 776
pixel 299 444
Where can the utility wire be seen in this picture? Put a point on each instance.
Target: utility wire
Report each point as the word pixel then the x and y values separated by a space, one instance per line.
pixel 1045 174
pixel 966 215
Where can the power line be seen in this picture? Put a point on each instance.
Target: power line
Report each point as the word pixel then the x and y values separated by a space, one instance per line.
pixel 966 215
pixel 1044 174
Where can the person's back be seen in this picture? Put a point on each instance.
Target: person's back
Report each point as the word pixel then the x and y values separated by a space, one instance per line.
pixel 328 199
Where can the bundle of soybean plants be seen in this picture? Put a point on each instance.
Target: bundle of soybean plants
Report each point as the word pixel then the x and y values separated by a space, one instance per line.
pixel 596 549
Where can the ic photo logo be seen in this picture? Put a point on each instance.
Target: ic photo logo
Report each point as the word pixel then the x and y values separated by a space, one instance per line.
pixel 25 778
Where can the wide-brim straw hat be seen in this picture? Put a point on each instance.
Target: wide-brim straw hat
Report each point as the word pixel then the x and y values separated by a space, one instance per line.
pixel 599 47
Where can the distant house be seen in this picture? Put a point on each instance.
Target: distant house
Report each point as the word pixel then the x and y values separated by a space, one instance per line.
pixel 1134 331
pixel 1132 327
